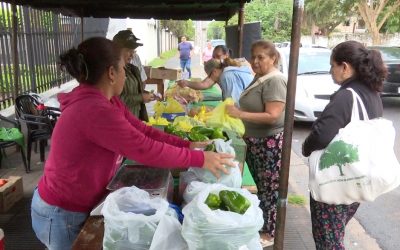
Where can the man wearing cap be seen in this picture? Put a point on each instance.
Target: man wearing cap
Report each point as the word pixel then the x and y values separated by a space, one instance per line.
pixel 133 94
pixel 185 52
pixel 137 62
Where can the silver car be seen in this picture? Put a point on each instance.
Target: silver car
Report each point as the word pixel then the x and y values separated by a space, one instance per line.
pixel 314 82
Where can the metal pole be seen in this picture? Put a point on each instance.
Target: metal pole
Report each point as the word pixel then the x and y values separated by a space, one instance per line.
pixel 82 35
pixel 14 47
pixel 240 28
pixel 298 7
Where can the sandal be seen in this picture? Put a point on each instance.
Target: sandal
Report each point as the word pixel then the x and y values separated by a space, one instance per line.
pixel 266 243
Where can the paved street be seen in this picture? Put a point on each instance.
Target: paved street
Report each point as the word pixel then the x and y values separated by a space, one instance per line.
pixel 381 218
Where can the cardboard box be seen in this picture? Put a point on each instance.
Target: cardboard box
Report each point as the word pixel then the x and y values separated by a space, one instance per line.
pixel 163 73
pixel 11 193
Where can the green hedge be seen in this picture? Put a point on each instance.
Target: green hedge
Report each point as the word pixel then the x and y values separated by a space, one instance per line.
pixel 160 61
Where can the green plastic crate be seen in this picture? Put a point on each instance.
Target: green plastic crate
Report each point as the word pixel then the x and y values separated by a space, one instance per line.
pixel 238 145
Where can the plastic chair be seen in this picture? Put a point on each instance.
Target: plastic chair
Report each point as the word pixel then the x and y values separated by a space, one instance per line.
pixel 6 144
pixel 36 123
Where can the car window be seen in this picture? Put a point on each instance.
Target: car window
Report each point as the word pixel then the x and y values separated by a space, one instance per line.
pixel 389 53
pixel 217 42
pixel 313 61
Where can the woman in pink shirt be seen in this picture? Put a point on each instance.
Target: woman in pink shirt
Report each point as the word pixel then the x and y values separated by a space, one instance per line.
pixel 208 52
pixel 93 133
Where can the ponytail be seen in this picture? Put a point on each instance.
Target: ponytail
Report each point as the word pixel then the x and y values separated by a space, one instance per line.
pixel 91 59
pixel 368 64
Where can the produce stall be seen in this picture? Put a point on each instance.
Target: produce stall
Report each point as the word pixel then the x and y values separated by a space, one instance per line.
pixel 180 187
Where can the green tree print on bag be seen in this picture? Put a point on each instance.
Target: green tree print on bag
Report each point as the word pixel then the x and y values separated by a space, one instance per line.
pixel 339 153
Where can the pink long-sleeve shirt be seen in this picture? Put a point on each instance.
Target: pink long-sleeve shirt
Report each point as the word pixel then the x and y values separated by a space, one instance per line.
pixel 87 144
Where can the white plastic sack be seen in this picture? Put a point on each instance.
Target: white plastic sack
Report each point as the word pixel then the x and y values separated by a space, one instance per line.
pixel 168 235
pixel 192 189
pixel 359 164
pixel 131 218
pixel 206 229
pixel 233 179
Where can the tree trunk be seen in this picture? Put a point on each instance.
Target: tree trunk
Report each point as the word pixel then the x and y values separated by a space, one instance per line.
pixel 376 39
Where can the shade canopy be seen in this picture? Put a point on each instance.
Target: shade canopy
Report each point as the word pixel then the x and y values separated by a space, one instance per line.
pixel 220 10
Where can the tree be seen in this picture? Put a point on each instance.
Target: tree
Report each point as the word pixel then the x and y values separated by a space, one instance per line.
pixel 275 17
pixel 179 27
pixel 326 14
pixel 216 30
pixel 339 153
pixel 393 23
pixel 375 13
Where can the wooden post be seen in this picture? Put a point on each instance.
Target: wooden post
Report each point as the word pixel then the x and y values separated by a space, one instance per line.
pixel 298 7
pixel 240 28
pixel 14 48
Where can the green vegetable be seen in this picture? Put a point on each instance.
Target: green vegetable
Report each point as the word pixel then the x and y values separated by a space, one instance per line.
pixel 197 137
pixel 202 130
pixel 180 133
pixel 210 147
pixel 218 133
pixel 234 201
pixel 169 129
pixel 213 201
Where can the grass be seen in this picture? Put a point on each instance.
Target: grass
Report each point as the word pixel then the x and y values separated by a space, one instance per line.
pixel 160 61
pixel 295 199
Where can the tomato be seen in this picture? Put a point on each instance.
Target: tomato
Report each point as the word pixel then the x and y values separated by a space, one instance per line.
pixel 3 182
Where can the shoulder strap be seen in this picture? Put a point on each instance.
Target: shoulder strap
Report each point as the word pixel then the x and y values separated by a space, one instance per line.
pixel 260 80
pixel 355 113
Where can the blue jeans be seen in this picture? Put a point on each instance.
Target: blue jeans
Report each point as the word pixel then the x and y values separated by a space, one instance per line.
pixel 185 64
pixel 55 227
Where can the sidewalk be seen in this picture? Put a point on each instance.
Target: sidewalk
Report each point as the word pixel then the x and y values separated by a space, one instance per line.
pixel 16 223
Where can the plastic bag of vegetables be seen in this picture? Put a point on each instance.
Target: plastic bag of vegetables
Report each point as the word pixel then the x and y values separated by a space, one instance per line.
pixel 206 228
pixel 233 179
pixel 219 118
pixel 131 219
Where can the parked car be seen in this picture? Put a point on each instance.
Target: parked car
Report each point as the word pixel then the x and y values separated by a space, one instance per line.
pixel 314 82
pixel 217 42
pixel 391 57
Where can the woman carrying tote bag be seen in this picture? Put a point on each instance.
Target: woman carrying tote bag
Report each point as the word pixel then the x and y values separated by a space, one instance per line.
pixel 352 66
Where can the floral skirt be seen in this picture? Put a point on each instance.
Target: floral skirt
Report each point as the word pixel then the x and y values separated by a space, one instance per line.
pixel 264 160
pixel 329 222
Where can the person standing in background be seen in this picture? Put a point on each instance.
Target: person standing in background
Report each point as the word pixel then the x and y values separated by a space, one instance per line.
pixel 133 94
pixel 207 52
pixel 230 75
pixel 185 53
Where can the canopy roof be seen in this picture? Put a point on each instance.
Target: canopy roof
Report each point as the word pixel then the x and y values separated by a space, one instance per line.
pixel 140 9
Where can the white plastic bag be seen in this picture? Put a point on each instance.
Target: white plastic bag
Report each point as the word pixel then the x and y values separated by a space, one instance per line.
pixel 206 229
pixel 359 164
pixel 192 189
pixel 168 235
pixel 131 218
pixel 233 179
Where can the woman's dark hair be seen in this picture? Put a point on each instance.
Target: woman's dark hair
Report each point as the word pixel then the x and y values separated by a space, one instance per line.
pixel 91 59
pixel 367 64
pixel 225 50
pixel 269 48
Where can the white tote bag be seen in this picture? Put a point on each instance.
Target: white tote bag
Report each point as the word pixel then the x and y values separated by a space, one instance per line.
pixel 359 164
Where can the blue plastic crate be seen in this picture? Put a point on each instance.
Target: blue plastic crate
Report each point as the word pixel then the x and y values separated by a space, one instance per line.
pixel 172 116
